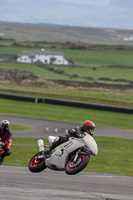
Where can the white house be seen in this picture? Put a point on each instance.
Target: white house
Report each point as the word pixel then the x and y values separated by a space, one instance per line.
pixel 1 35
pixel 128 38
pixel 45 57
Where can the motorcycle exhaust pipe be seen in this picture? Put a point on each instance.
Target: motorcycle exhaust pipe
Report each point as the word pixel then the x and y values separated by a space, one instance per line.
pixel 40 145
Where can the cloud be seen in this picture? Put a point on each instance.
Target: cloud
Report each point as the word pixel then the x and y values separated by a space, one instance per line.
pixel 100 13
pixel 81 2
pixel 87 2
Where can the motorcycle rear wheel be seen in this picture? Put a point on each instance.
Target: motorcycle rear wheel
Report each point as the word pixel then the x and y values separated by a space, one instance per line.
pixel 74 168
pixel 36 167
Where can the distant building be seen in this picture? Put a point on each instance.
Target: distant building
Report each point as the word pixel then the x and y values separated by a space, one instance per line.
pixel 45 57
pixel 128 38
pixel 1 35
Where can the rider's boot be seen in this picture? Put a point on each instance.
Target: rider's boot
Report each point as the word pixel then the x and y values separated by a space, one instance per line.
pixel 43 153
pixel 47 151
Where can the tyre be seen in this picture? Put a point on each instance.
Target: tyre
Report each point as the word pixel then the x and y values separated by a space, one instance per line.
pixel 79 165
pixel 36 166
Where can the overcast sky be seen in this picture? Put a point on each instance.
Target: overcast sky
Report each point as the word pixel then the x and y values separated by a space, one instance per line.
pixel 87 2
pixel 89 13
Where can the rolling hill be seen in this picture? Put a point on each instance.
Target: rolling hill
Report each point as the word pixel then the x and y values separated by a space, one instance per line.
pixel 59 33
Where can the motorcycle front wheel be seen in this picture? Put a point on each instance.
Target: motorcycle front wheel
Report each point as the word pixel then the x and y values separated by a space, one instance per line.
pixel 78 166
pixel 36 166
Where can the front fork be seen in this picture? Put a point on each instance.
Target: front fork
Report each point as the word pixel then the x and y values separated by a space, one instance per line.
pixel 79 152
pixel 74 159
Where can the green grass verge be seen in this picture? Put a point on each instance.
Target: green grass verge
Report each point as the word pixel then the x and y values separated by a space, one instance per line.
pixel 116 98
pixel 66 114
pixel 19 127
pixel 115 155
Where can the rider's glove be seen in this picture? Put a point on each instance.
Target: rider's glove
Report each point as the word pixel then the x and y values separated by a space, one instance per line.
pixel 80 135
pixel 72 132
pixel 75 132
pixel 2 144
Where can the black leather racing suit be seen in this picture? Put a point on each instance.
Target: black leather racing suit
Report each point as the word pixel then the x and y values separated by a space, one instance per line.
pixel 6 136
pixel 75 132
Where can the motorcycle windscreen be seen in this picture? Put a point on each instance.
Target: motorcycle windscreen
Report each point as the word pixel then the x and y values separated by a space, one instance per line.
pixel 90 142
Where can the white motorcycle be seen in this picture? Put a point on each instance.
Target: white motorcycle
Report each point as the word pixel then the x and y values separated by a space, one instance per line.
pixel 71 156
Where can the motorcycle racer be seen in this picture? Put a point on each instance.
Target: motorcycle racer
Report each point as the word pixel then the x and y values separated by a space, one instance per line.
pixel 5 135
pixel 72 156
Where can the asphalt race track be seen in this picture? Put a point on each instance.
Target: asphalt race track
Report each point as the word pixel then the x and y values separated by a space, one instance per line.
pixel 18 183
pixel 41 125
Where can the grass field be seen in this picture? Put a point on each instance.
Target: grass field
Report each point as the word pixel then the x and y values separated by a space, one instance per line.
pixel 99 72
pixel 117 98
pixel 82 72
pixel 111 97
pixel 100 58
pixel 115 155
pixel 34 68
pixel 65 114
pixel 84 57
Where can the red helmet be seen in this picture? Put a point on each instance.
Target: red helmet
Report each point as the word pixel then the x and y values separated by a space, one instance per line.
pixel 89 127
pixel 5 124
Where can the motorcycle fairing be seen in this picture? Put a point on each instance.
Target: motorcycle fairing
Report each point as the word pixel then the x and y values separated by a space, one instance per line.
pixel 60 155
